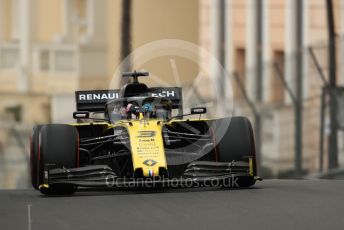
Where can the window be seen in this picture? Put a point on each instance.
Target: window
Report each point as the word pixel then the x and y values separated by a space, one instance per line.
pixel 240 67
pixel 44 60
pixel 64 60
pixel 9 57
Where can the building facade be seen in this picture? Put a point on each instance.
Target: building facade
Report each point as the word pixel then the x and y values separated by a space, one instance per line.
pixel 52 48
pixel 267 28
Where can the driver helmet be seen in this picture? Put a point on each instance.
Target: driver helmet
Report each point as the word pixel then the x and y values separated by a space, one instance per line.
pixel 148 109
pixel 132 110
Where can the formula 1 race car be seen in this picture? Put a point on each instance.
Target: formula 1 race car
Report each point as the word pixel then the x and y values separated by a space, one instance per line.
pixel 139 136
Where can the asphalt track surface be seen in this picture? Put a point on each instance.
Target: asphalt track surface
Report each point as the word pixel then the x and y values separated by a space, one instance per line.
pixel 270 204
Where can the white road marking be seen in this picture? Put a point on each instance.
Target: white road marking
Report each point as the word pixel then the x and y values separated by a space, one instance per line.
pixel 29 221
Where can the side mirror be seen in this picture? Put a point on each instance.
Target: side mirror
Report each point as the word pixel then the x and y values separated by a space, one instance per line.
pixel 81 115
pixel 198 110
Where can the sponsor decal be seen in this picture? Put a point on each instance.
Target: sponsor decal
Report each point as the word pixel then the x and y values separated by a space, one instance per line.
pixel 150 173
pixel 103 95
pixel 144 121
pixel 146 134
pixel 149 162
pixel 164 93
pixel 97 96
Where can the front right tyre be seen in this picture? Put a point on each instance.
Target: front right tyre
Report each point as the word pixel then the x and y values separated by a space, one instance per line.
pixel 58 147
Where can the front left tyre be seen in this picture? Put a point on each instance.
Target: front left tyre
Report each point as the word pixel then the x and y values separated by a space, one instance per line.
pixel 237 144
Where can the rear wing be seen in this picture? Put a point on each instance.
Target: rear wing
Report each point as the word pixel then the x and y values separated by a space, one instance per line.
pixel 95 100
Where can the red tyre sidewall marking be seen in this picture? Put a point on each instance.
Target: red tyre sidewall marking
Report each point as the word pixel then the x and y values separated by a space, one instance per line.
pixel 31 153
pixel 39 157
pixel 78 152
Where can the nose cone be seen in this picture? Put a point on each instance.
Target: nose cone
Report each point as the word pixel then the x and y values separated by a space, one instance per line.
pixel 147 147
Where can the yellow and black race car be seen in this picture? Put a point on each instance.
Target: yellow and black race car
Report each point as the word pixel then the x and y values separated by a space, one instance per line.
pixel 139 136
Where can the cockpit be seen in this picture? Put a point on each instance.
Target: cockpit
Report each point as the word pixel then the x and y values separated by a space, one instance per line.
pixel 134 107
pixel 134 100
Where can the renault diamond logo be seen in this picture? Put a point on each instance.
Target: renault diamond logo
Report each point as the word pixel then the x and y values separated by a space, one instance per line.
pixel 149 162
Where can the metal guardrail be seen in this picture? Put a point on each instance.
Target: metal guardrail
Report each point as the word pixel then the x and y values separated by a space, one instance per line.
pixel 14 155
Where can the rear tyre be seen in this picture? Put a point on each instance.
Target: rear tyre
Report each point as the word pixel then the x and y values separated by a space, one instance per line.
pixel 58 148
pixel 236 143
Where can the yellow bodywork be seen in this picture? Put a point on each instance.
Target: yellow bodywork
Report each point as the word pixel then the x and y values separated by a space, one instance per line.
pixel 146 142
pixel 147 147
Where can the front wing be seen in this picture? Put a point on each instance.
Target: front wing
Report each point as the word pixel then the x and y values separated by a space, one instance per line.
pixel 196 174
